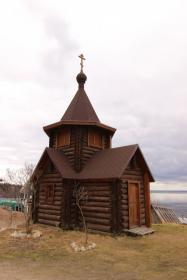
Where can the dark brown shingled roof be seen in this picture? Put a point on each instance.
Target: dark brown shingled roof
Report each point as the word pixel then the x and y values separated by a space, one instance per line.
pixel 80 109
pixel 109 163
pixel 105 164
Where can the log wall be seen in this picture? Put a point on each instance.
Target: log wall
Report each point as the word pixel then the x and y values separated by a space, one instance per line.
pixel 137 176
pixel 50 213
pixel 79 152
pixel 98 208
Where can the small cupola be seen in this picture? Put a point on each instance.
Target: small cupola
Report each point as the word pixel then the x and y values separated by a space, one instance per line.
pixel 80 134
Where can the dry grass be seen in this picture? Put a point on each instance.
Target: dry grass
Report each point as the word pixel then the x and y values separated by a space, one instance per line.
pixel 162 255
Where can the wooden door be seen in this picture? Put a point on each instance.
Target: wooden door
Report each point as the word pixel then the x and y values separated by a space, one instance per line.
pixel 134 204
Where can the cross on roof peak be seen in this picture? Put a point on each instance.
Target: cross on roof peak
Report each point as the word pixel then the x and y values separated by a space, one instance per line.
pixel 81 56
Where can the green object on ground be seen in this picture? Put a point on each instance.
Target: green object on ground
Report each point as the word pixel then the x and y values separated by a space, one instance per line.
pixel 9 203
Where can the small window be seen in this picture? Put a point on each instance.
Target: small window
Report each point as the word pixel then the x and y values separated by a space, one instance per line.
pixel 49 193
pixel 63 138
pixel 94 138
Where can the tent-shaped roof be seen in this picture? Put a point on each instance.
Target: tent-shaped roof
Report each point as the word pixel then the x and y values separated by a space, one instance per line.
pixel 105 164
pixel 80 109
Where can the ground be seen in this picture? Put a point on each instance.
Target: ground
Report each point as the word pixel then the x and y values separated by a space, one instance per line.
pixel 162 255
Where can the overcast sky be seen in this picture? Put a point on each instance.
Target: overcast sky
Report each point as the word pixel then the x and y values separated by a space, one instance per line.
pixel 136 64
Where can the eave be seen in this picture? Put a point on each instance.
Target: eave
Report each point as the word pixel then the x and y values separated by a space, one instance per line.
pixel 49 128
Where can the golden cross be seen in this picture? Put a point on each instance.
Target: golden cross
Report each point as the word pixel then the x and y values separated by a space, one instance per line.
pixel 82 59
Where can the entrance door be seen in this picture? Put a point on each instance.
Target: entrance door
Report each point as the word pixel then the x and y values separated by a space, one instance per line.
pixel 134 204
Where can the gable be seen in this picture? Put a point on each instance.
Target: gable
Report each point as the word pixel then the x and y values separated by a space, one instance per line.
pixel 44 166
pixel 56 160
pixel 137 162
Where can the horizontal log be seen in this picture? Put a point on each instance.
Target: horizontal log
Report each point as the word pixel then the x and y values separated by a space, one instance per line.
pixel 103 187
pixel 99 198
pixel 104 182
pixel 98 203
pixel 124 207
pixel 98 193
pixel 69 153
pixel 49 206
pixel 142 210
pixel 48 222
pixel 57 185
pixel 124 196
pixel 51 175
pixel 96 209
pixel 52 211
pixel 58 198
pixel 91 149
pixel 99 221
pixel 68 148
pixel 124 219
pixel 86 152
pixel 50 181
pixel 42 194
pixel 59 188
pixel 49 217
pixel 57 202
pixel 97 215
pixel 58 193
pixel 124 214
pixel 125 225
pixel 124 201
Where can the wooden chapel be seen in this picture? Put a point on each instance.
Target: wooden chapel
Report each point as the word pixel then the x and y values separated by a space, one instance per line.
pixel 80 152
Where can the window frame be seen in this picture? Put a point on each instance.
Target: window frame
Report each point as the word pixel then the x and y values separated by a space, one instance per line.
pixel 60 134
pixel 92 133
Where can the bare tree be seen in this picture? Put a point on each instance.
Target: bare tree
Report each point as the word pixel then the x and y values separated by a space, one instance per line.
pixel 22 177
pixel 81 197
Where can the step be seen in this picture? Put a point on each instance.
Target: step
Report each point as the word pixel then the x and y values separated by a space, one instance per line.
pixel 139 231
